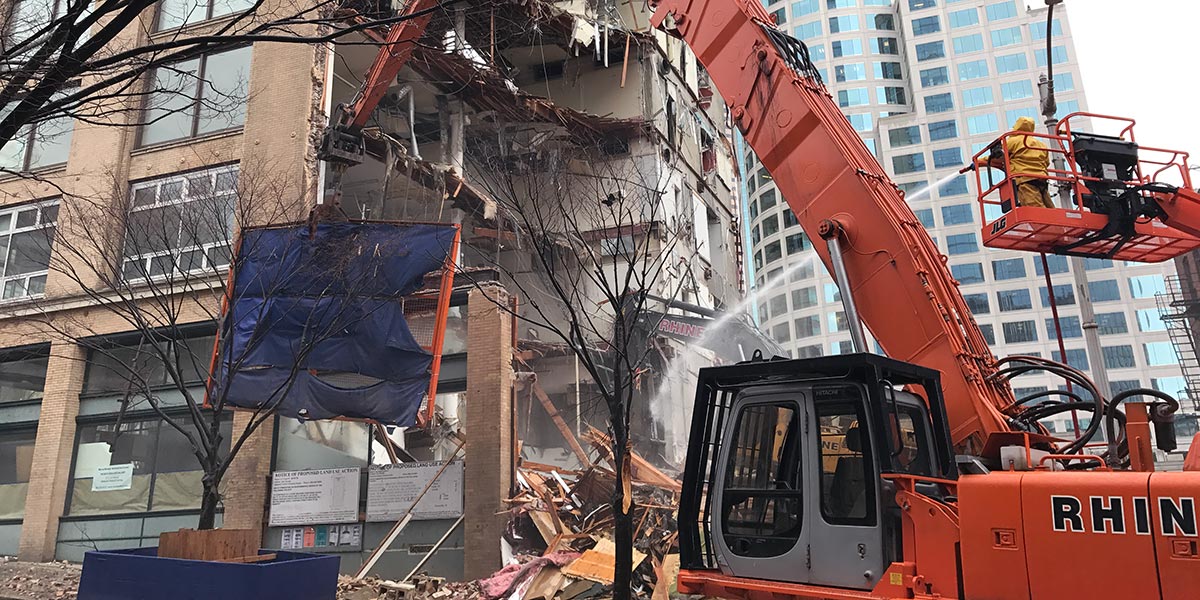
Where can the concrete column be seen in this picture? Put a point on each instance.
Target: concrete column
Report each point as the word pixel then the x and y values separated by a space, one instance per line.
pixel 52 451
pixel 245 484
pixel 489 446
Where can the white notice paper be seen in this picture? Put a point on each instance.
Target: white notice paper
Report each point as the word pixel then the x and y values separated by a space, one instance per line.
pixel 113 477
pixel 314 497
pixel 391 489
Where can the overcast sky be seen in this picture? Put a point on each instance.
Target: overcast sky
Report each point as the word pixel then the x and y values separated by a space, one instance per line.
pixel 1139 60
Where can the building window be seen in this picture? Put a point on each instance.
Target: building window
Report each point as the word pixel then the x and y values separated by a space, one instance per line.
pixel 1076 357
pixel 954 187
pixel 989 333
pixel 861 121
pixel 1011 300
pixel 43 144
pixel 1118 357
pixel 1146 286
pixel 1063 82
pixel 1059 52
pixel 911 189
pixel 1016 90
pixel 1071 328
pixel 767 199
pixel 1001 10
pixel 979 96
pixel 958 214
pixel 926 25
pixel 197 97
pixel 920 4
pixel 908 163
pixel 925 216
pixel 26 238
pixel 1037 31
pixel 847 48
pixel 778 304
pixel 817 54
pixel 935 76
pixel 976 69
pixel 1017 332
pixel 939 103
pixel 1011 116
pixel 773 252
pixel 964 18
pixel 850 72
pixel 839 4
pixel 881 22
pixel 832 294
pixel 885 46
pixel 789 218
pixel 888 70
pixel 1104 291
pixel 904 136
pixel 1057 263
pixel 947 157
pixel 981 124
pixel 166 474
pixel 175 13
pixel 807 31
pixel 1111 323
pixel 1011 63
pixel 853 97
pixel 781 333
pixel 1095 264
pixel 1176 386
pixel 837 322
pixel 770 225
pixel 1009 36
pixel 804 298
pixel 968 273
pixel 1064 295
pixel 931 50
pixel 968 43
pixel 23 374
pixel 891 95
pixel 1150 320
pixel 843 23
pixel 943 130
pixel 1065 108
pixel 977 303
pixel 807 327
pixel 964 243
pixel 180 224
pixel 1012 268
pixel 805 7
pixel 16 463
pixel 797 242
pixel 809 351
pixel 841 347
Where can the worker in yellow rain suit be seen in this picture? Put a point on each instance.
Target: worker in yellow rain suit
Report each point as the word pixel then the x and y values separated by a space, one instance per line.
pixel 1026 156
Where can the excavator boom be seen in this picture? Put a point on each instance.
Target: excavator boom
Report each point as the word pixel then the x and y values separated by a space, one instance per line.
pixel 903 290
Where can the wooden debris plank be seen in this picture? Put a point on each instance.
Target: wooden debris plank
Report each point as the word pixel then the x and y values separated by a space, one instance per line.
pixel 541 396
pixel 213 544
pixel 546 583
pixel 599 563
pixel 667 573
pixel 252 559
pixel 544 524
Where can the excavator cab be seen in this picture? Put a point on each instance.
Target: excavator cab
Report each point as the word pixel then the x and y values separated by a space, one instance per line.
pixel 1127 201
pixel 785 476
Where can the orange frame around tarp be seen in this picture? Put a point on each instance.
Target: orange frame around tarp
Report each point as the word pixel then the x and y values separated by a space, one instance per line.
pixel 442 313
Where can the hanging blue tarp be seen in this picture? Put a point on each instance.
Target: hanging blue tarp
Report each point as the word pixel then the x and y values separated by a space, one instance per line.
pixel 311 306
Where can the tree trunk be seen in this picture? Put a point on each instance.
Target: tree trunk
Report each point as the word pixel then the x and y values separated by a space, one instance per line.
pixel 622 513
pixel 210 498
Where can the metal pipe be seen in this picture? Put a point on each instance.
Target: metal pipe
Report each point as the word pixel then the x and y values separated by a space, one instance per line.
pixel 857 338
pixel 688 306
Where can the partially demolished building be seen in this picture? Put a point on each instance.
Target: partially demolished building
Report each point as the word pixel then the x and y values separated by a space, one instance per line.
pixel 506 107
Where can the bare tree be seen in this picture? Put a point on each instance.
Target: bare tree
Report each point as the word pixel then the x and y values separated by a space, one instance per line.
pixel 98 62
pixel 156 257
pixel 585 237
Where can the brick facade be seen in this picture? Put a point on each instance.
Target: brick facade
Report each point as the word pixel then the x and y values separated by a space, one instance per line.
pixel 52 451
pixel 488 428
pixel 245 485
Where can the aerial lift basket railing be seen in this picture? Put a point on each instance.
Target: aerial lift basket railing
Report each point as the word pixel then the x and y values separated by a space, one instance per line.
pixel 1125 197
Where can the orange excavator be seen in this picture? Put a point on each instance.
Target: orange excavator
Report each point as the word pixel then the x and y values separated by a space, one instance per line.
pixel 920 475
pixel 862 477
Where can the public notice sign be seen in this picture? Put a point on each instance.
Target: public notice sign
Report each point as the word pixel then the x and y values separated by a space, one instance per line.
pixel 391 489
pixel 316 496
pixel 113 477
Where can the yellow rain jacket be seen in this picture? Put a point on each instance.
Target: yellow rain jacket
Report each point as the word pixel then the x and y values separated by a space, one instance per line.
pixel 1027 156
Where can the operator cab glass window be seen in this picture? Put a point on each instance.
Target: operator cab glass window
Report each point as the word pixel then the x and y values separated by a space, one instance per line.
pixel 847 482
pixel 909 441
pixel 762 497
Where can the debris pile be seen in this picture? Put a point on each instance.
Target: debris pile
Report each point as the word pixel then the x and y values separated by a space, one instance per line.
pixel 561 525
pixel 29 581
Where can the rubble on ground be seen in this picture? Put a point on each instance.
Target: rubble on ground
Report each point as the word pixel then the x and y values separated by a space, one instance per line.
pixel 37 581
